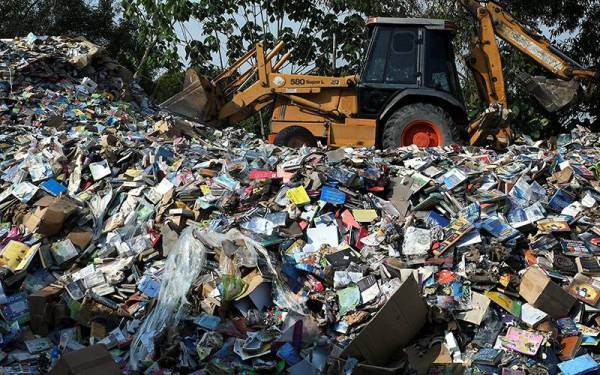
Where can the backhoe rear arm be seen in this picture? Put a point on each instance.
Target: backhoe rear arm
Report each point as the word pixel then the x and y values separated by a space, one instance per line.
pixel 485 62
pixel 531 43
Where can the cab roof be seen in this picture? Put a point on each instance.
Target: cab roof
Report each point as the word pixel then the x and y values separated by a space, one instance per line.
pixel 429 23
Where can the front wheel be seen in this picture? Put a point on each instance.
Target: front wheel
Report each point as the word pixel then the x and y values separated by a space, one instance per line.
pixel 420 124
pixel 295 137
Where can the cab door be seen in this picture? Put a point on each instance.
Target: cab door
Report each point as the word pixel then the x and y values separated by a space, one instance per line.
pixel 392 64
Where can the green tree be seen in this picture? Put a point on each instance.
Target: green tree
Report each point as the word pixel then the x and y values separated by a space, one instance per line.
pixel 230 28
pixel 58 17
pixel 155 21
pixel 167 85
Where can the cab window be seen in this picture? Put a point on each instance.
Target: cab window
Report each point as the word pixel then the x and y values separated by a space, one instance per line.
pixel 402 62
pixel 393 56
pixel 440 67
pixel 375 68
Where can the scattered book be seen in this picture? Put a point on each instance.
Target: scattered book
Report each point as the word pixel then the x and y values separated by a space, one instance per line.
pixel 488 356
pixel 585 289
pixel 574 248
pixel 588 266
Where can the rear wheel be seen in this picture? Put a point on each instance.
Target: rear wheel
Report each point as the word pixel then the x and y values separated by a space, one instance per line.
pixel 295 137
pixel 421 124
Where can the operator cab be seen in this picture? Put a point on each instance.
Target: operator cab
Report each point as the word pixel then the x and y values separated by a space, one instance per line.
pixel 403 54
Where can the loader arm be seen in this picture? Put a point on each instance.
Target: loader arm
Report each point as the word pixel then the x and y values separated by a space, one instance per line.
pixel 233 96
pixel 269 82
pixel 486 65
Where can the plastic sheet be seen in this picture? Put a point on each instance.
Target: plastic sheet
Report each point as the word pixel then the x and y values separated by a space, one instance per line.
pixel 247 256
pixel 184 263
pixel 98 207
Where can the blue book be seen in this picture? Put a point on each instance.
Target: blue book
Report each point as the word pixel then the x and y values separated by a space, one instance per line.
pixel 560 200
pixel 434 218
pixel 333 196
pixel 579 366
pixel 53 187
pixel 499 229
pixel 488 356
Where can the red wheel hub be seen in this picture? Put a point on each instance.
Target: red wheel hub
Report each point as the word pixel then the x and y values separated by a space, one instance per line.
pixel 422 133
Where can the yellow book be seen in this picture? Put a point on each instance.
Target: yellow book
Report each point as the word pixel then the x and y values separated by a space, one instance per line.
pixel 364 216
pixel 507 303
pixel 132 172
pixel 298 195
pixel 205 189
pixel 17 256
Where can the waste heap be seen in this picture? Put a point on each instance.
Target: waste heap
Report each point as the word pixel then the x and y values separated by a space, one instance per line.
pixel 134 242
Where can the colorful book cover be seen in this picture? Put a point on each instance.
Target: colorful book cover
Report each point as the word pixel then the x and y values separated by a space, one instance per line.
pixel 507 303
pixel 522 341
pixel 585 289
pixel 574 248
pixel 457 229
pixel 498 229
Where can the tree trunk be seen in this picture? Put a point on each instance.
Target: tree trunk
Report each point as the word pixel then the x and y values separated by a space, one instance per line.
pixel 219 49
pixel 138 71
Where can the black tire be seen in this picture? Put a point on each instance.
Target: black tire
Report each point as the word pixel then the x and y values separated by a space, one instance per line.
pixel 295 137
pixel 399 121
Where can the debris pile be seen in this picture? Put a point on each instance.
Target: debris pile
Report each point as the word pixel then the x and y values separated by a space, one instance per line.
pixel 128 244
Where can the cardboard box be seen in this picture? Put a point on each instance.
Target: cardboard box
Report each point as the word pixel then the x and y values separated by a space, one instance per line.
pixel 437 357
pixel 42 306
pixel 49 215
pixel 80 238
pixel 392 328
pixel 93 360
pixel 541 292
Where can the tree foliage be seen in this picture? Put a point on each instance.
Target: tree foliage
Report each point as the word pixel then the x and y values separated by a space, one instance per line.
pixel 58 17
pixel 167 85
pixel 156 21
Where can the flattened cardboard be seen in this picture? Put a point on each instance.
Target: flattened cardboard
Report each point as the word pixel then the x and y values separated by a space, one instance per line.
pixel 481 304
pixel 438 356
pixel 49 215
pixel 392 328
pixel 44 307
pixel 363 369
pixel 80 238
pixel 39 299
pixel 400 196
pixel 93 360
pixel 541 292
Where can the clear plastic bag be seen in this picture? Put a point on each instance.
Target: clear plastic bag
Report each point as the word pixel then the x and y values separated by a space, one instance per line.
pixel 184 263
pixel 247 256
pixel 99 206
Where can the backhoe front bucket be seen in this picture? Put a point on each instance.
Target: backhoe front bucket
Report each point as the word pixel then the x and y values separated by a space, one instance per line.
pixel 552 94
pixel 199 100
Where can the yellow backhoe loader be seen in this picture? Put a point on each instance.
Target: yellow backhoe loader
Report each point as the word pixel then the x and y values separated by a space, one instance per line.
pixel 407 91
